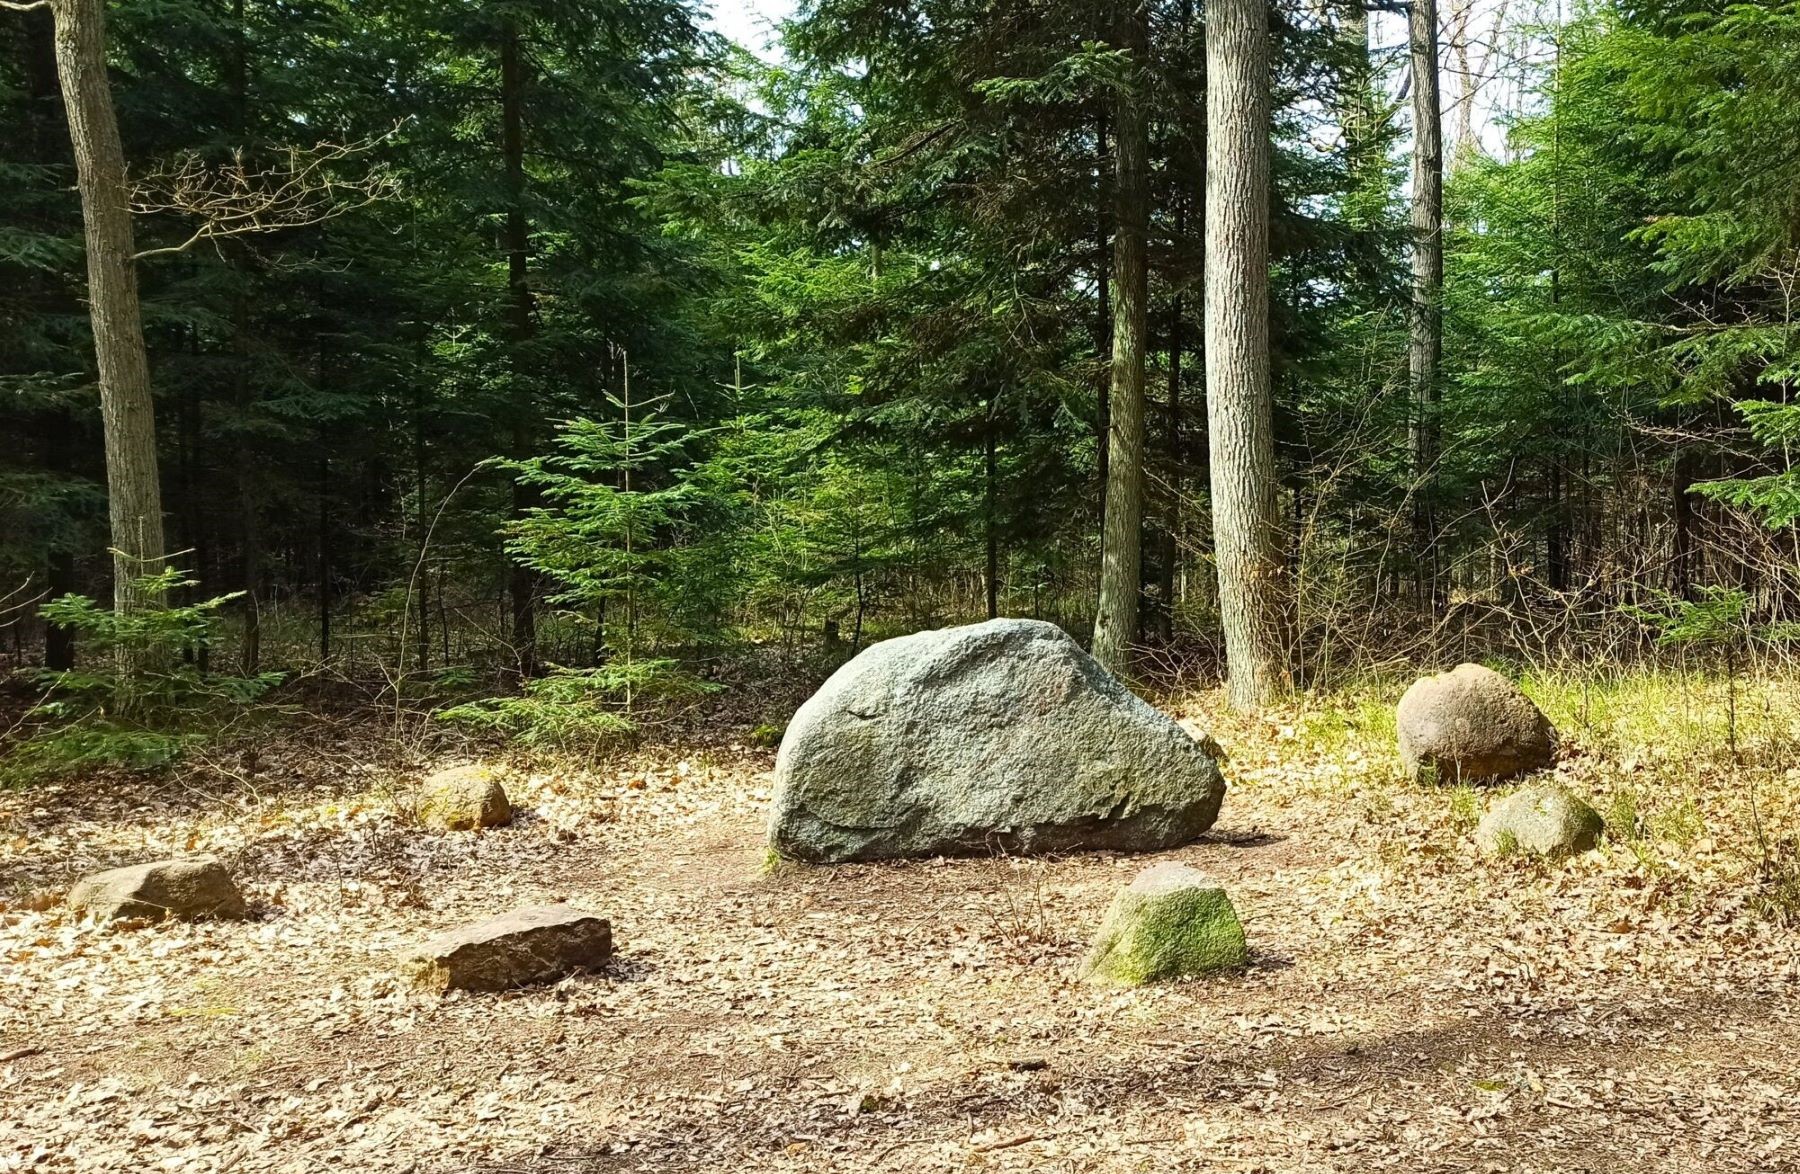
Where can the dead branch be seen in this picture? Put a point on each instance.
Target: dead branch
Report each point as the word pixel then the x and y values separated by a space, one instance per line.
pixel 302 186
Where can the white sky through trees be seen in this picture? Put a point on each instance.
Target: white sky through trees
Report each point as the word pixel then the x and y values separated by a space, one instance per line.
pixel 1491 52
pixel 751 22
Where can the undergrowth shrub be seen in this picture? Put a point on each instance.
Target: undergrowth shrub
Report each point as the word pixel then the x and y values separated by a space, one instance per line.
pixel 141 700
pixel 579 710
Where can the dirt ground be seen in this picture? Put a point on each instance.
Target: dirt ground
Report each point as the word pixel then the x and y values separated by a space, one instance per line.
pixel 1409 1006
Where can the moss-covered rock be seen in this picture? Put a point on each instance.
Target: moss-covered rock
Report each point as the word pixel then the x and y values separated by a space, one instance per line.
pixel 1543 819
pixel 1168 923
pixel 463 798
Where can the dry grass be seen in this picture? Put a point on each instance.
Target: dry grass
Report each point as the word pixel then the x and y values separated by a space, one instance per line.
pixel 1409 1006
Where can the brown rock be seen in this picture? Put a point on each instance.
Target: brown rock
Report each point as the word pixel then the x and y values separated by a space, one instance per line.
pixel 1471 725
pixel 184 889
pixel 520 948
pixel 463 798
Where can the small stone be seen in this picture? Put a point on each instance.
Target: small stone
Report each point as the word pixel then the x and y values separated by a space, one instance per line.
pixel 1471 725
pixel 1540 820
pixel 520 948
pixel 187 890
pixel 462 799
pixel 1170 922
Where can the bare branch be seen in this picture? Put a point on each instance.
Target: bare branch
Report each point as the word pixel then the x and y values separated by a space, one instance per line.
pixel 27 6
pixel 301 187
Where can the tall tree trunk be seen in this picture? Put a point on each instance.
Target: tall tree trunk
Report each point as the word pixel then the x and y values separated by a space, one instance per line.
pixel 1116 624
pixel 1356 111
pixel 422 525
pixel 1425 351
pixel 522 584
pixel 1103 318
pixel 324 539
pixel 991 470
pixel 59 459
pixel 1240 427
pixel 1169 565
pixel 1681 554
pixel 46 133
pixel 249 493
pixel 127 412
pixel 1171 532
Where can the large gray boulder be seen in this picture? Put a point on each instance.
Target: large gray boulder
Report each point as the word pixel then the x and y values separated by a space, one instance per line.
pixel 526 946
pixel 1543 819
pixel 186 890
pixel 1001 736
pixel 1471 725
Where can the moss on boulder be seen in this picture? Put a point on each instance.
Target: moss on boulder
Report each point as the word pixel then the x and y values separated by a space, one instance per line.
pixel 1170 922
pixel 1543 819
pixel 463 798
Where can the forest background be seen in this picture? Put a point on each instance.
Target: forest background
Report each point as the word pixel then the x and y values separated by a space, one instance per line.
pixel 598 358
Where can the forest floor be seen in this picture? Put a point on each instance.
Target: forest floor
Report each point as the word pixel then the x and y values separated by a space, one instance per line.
pixel 1408 1006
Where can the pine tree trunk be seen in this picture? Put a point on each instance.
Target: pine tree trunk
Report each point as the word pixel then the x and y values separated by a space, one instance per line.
pixel 1171 534
pixel 1426 346
pixel 324 540
pixel 1103 318
pixel 244 392
pixel 127 413
pixel 991 510
pixel 46 135
pixel 522 584
pixel 1246 518
pixel 1115 626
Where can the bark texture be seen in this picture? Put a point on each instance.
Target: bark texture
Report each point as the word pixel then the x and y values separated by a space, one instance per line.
pixel 1121 541
pixel 1425 351
pixel 516 239
pixel 134 495
pixel 1246 518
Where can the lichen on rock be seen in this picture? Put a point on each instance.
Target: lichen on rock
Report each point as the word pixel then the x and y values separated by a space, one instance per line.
pixel 1543 819
pixel 1170 922
pixel 999 736
pixel 463 798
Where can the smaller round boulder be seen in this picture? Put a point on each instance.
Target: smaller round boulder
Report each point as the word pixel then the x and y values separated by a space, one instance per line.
pixel 1540 820
pixel 1471 725
pixel 462 799
pixel 1170 922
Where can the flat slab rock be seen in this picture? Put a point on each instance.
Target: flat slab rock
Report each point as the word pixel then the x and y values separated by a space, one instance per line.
pixel 1471 725
pixel 521 948
pixel 1000 736
pixel 186 890
pixel 1172 921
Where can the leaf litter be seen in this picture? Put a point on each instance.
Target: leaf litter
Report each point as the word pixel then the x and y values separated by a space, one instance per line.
pixel 1409 1005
